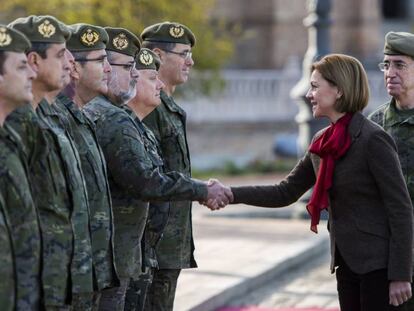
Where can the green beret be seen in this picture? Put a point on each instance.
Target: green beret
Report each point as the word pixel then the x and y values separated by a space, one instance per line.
pixel 147 59
pixel 12 40
pixel 44 29
pixel 399 43
pixel 87 38
pixel 122 41
pixel 169 32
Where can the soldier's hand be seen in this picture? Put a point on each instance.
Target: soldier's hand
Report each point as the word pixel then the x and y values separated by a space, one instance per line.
pixel 218 195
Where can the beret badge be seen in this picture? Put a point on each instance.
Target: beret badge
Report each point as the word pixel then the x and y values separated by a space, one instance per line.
pixel 176 31
pixel 120 42
pixel 46 29
pixel 5 38
pixel 89 37
pixel 145 58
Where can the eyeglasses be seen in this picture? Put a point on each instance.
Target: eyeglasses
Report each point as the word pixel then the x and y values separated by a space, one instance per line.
pixel 183 55
pixel 400 66
pixel 100 59
pixel 127 66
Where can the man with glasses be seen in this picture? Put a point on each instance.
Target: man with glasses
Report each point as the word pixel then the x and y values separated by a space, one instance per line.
pixel 94 61
pixel 134 174
pixel 172 42
pixel 397 116
pixel 85 79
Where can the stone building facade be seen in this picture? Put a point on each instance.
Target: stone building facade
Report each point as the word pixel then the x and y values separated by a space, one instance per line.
pixel 272 31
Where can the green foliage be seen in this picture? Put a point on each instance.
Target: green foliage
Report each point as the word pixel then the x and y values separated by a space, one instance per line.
pixel 213 45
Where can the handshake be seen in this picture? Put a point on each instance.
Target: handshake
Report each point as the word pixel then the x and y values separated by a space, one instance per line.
pixel 218 195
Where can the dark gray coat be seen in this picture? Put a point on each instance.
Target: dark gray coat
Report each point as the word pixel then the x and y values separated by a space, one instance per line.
pixel 370 210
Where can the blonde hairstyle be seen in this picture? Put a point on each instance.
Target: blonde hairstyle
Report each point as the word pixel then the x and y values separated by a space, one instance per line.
pixel 348 75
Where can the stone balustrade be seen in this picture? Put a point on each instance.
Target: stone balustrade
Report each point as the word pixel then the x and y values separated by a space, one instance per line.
pixel 257 96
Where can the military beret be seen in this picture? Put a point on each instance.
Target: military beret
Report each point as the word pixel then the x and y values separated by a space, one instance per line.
pixel 399 43
pixel 168 32
pixel 147 59
pixel 87 38
pixel 122 41
pixel 12 40
pixel 44 29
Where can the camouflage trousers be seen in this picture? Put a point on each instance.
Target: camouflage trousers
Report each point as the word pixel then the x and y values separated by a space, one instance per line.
pixel 137 291
pixel 57 308
pixel 86 302
pixel 113 299
pixel 161 294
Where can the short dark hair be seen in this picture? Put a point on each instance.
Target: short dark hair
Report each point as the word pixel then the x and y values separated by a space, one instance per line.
pixel 40 48
pixel 110 55
pixel 80 56
pixel 160 45
pixel 3 57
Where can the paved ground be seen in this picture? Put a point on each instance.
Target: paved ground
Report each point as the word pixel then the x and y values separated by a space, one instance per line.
pixel 309 286
pixel 240 248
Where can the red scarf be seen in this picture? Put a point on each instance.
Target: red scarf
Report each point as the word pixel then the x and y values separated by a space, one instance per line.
pixel 330 146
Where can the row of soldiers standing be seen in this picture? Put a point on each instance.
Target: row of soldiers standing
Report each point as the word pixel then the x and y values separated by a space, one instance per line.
pixel 95 205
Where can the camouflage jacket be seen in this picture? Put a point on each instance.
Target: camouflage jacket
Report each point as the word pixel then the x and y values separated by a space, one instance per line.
pixel 168 123
pixel 7 267
pixel 99 197
pixel 158 211
pixel 52 200
pixel 81 266
pixel 22 218
pixel 133 180
pixel 400 125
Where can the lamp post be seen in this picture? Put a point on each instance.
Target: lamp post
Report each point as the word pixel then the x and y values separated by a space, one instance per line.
pixel 318 22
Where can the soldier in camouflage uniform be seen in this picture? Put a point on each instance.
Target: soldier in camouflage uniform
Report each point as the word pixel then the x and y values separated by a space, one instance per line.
pixel 397 116
pixel 20 249
pixel 47 57
pixel 82 88
pixel 133 176
pixel 145 101
pixel 173 43
pixel 7 268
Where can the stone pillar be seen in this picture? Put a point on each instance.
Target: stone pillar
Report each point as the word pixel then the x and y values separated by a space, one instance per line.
pixel 317 23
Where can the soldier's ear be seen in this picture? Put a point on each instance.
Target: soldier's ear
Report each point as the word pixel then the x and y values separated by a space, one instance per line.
pixel 76 69
pixel 159 52
pixel 33 61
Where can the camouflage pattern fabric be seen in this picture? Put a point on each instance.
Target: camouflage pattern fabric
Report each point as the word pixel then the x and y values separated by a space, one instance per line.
pixel 161 294
pixel 137 291
pixel 158 212
pixel 81 267
pixel 168 123
pixel 133 180
pixel 400 125
pixel 54 204
pixel 22 218
pixel 99 197
pixel 52 200
pixel 7 268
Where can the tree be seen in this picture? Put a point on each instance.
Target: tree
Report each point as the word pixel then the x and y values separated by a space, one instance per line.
pixel 213 45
